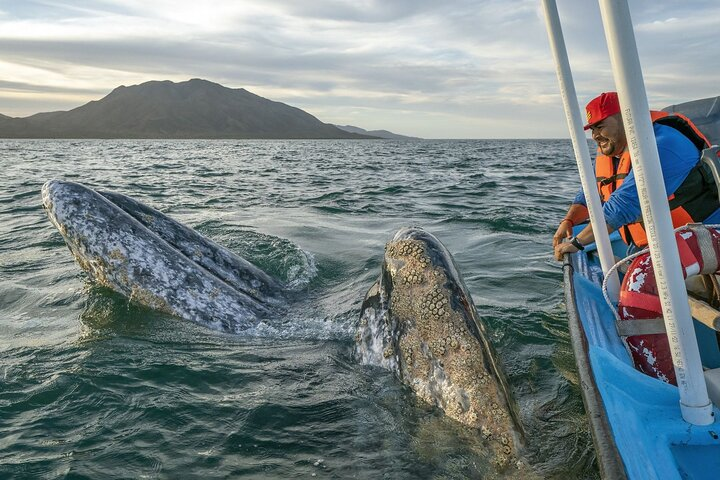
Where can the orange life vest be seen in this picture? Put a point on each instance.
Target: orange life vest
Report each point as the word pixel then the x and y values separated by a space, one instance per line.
pixel 694 200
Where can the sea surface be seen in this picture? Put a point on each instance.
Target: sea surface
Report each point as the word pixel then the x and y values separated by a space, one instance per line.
pixel 93 386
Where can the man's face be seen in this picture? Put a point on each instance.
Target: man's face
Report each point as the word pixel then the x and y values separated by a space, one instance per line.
pixel 609 134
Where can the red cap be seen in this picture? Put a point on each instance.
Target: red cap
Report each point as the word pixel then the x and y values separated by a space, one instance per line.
pixel 601 107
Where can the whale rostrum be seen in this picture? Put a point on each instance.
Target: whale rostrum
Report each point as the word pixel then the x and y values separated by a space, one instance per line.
pixel 155 261
pixel 419 321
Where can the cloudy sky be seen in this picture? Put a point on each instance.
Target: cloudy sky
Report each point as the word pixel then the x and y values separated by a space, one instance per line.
pixel 454 69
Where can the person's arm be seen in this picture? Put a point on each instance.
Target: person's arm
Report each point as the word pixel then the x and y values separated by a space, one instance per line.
pixel 577 213
pixel 585 237
pixel 621 208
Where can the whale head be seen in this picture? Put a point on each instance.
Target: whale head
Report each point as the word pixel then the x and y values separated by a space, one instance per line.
pixel 155 261
pixel 419 321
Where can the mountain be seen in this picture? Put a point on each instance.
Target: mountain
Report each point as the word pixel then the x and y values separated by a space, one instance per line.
pixel 375 133
pixel 163 109
pixel 704 113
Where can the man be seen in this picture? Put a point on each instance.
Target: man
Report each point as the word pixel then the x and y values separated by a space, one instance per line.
pixel 692 191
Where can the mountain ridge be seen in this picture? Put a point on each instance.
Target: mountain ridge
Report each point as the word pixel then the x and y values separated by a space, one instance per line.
pixel 376 133
pixel 164 109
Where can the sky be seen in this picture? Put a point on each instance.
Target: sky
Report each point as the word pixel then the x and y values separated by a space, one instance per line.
pixel 452 69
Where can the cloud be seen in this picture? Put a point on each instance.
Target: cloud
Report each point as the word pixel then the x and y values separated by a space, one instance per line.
pixel 447 68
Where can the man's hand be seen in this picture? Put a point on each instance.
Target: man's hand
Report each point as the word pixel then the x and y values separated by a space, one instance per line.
pixel 564 231
pixel 563 248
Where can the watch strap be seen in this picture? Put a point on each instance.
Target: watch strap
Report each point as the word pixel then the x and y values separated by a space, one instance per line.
pixel 576 243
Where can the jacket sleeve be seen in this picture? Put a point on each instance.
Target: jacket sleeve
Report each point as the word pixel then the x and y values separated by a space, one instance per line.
pixel 580 198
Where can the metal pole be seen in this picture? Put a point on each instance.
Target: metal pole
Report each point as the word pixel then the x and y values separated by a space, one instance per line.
pixel 694 402
pixel 582 154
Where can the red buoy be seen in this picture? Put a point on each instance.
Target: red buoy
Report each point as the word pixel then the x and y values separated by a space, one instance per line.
pixel 699 249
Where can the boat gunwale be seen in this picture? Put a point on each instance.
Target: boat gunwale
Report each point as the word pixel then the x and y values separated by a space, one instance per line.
pixel 609 460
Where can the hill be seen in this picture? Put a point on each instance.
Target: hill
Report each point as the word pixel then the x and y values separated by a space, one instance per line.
pixel 376 133
pixel 164 109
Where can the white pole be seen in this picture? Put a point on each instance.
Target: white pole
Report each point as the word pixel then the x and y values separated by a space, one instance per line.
pixel 694 402
pixel 582 154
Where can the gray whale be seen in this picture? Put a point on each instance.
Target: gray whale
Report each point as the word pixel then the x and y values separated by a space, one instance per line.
pixel 419 321
pixel 156 261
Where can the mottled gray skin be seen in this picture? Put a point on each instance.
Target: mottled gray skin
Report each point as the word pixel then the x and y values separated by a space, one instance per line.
pixel 156 261
pixel 419 321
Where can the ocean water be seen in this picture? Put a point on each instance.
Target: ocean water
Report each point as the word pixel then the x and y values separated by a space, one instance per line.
pixel 93 386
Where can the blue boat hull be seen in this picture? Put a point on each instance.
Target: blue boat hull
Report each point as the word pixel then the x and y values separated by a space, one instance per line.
pixel 635 419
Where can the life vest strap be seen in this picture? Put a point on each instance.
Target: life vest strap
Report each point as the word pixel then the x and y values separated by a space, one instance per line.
pixel 602 181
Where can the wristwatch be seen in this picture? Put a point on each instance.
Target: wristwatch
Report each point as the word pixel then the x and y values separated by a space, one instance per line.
pixel 576 243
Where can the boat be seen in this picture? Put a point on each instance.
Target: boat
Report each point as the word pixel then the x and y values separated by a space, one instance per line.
pixel 642 426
